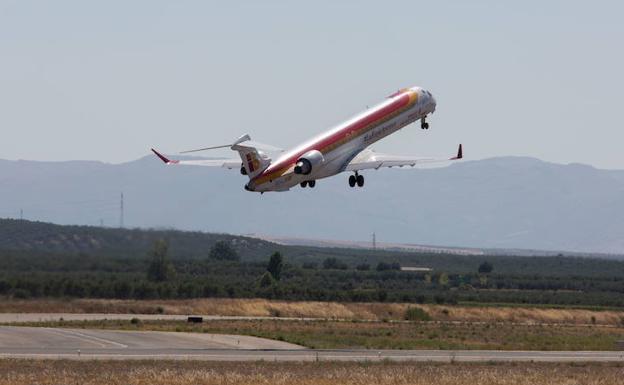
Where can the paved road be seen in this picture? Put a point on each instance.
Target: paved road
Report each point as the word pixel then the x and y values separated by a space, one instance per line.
pixel 29 342
pixel 16 339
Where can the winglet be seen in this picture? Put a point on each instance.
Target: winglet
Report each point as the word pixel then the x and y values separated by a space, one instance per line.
pixel 460 153
pixel 164 158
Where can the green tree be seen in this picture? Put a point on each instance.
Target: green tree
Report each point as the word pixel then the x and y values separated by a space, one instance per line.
pixel 334 263
pixel 363 267
pixel 275 265
pixel 160 268
pixel 485 267
pixel 266 280
pixel 330 263
pixel 383 266
pixel 443 279
pixel 223 251
pixel 310 265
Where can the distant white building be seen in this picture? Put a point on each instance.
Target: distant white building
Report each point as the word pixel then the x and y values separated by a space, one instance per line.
pixel 416 269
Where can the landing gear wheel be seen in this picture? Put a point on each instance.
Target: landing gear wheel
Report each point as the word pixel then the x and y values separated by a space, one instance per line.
pixel 352 181
pixel 304 184
pixel 360 180
pixel 311 183
pixel 424 126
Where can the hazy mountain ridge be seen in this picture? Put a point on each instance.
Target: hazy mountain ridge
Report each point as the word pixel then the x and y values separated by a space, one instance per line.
pixel 509 202
pixel 28 236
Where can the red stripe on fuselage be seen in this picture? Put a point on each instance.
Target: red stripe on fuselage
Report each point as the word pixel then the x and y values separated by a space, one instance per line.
pixel 352 129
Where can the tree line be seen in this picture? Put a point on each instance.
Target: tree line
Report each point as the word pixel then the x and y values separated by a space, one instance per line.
pixel 225 273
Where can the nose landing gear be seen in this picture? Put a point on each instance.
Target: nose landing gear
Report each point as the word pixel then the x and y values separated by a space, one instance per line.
pixel 423 123
pixel 356 179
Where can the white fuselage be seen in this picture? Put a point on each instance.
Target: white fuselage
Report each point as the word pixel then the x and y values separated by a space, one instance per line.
pixel 342 143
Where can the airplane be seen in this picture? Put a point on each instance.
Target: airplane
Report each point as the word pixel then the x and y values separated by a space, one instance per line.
pixel 343 148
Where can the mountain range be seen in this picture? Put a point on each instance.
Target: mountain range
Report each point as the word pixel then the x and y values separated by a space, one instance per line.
pixel 507 202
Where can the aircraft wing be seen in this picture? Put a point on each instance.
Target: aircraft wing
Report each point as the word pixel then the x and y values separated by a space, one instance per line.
pixel 226 163
pixel 369 159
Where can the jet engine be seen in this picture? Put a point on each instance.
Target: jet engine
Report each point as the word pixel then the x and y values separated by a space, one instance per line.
pixel 308 161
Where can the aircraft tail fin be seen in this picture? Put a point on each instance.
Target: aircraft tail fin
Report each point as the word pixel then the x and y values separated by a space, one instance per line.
pixel 254 160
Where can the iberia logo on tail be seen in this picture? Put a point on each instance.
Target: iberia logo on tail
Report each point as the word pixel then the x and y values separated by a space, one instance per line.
pixel 252 162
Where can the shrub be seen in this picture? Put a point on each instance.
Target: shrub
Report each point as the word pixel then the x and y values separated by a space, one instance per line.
pixel 413 313
pixel 310 265
pixel 275 312
pixel 21 294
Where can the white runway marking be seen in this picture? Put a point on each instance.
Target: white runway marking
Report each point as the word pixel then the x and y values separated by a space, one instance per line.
pixel 88 338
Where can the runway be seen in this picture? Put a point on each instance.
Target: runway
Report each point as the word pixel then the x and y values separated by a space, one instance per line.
pixel 87 344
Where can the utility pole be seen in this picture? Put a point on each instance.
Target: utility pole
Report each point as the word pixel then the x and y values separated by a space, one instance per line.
pixel 374 242
pixel 21 214
pixel 121 212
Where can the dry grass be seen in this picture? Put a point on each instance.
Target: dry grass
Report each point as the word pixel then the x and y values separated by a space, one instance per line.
pixel 325 310
pixel 17 372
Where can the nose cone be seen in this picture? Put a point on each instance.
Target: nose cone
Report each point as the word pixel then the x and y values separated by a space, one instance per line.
pixel 429 100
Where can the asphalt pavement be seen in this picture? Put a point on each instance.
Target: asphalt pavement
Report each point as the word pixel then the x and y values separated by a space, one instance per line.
pixel 61 343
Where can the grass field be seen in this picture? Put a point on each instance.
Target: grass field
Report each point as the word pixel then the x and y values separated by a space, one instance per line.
pixel 22 372
pixel 388 335
pixel 325 310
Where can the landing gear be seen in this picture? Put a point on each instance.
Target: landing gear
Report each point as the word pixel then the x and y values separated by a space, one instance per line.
pixel 423 123
pixel 306 183
pixel 356 179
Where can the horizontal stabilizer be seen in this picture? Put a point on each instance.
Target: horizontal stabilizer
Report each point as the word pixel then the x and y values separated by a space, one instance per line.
pixel 206 148
pixel 259 146
pixel 226 163
pixel 243 141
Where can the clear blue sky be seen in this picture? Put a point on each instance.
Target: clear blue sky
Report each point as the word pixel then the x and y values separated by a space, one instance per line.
pixel 107 80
